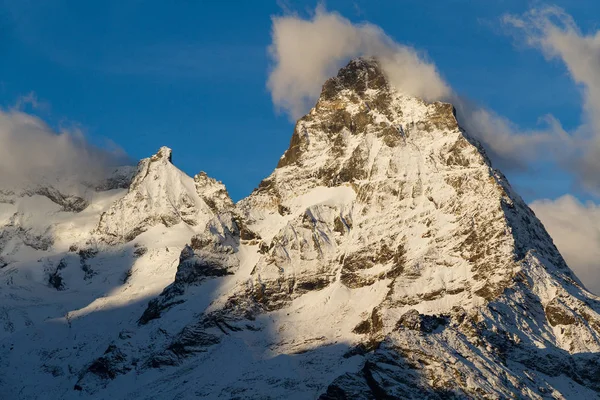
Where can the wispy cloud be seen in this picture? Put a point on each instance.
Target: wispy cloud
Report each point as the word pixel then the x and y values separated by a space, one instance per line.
pixel 31 100
pixel 554 32
pixel 510 146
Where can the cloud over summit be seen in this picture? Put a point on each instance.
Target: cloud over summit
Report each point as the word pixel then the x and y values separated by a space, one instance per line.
pixel 305 52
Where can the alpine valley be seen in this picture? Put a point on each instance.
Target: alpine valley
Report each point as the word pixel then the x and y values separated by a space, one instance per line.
pixel 384 258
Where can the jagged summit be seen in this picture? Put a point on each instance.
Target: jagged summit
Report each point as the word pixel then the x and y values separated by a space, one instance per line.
pixel 160 193
pixel 358 100
pixel 359 75
pixel 163 153
pixel 384 257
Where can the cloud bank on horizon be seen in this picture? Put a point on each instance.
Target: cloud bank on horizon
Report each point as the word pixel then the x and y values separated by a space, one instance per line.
pixel 575 229
pixel 307 51
pixel 33 153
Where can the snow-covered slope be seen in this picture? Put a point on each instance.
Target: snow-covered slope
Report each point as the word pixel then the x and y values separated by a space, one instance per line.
pixel 383 258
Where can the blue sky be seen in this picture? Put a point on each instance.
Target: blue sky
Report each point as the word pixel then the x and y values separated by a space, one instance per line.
pixel 192 75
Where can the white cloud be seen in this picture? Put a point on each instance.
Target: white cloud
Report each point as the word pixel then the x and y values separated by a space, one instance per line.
pixel 575 228
pixel 307 52
pixel 32 152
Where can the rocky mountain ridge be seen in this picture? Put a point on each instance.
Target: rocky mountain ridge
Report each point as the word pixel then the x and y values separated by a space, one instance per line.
pixel 383 258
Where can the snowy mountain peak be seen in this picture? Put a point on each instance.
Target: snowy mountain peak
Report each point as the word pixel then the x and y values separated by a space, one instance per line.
pixel 358 76
pixel 384 252
pixel 160 193
pixel 384 193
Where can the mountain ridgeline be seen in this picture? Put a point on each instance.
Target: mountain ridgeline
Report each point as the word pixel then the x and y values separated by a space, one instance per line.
pixel 383 258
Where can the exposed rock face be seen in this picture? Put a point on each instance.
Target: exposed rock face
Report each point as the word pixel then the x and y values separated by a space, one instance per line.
pixel 67 202
pixel 212 254
pixel 384 258
pixel 120 178
pixel 384 187
pixel 405 195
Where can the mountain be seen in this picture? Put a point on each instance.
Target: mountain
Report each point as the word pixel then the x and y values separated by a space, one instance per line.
pixel 384 258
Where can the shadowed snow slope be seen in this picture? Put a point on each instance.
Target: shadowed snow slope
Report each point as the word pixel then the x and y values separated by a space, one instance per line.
pixel 383 258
